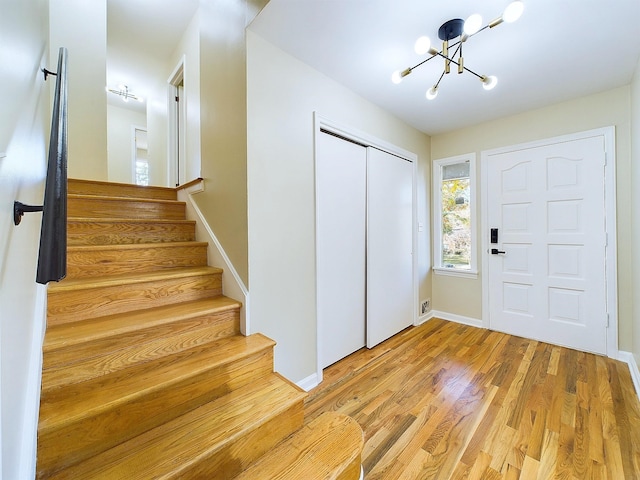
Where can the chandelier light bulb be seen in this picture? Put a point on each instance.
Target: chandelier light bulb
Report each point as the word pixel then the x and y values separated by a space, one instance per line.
pixel 473 24
pixel 396 77
pixel 422 46
pixel 513 11
pixel 488 83
pixel 432 93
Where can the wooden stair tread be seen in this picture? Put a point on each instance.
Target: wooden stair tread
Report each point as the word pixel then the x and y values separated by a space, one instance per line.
pixel 141 277
pixel 74 355
pixel 133 246
pixel 88 399
pixel 165 451
pixel 119 231
pixel 111 198
pixel 70 334
pixel 89 261
pixel 150 221
pixel 324 449
pixel 94 187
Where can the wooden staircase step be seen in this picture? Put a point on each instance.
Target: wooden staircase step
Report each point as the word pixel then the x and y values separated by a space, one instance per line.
pixel 71 342
pixel 95 206
pixel 97 231
pixel 73 300
pixel 215 441
pixel 100 260
pixel 92 187
pixel 77 352
pixel 328 448
pixel 82 420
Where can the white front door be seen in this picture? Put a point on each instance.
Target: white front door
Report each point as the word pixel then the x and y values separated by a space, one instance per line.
pixel 547 270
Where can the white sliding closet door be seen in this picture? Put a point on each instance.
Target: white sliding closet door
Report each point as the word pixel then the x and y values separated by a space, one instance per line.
pixel 389 245
pixel 340 247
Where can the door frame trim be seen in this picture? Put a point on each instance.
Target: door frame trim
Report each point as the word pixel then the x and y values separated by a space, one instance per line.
pixel 176 151
pixel 608 133
pixel 322 123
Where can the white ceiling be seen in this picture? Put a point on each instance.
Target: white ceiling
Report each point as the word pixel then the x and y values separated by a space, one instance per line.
pixel 557 50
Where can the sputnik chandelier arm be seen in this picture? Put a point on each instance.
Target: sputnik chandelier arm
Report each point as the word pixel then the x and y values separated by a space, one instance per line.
pixel 463 30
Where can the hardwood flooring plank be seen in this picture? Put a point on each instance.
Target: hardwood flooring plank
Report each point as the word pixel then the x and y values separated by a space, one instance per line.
pixel 445 401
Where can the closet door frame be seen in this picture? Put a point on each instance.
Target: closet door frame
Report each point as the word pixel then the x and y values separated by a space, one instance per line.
pixel 323 123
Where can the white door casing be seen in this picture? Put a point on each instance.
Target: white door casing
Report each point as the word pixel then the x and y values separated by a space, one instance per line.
pixel 390 302
pixel 551 204
pixel 340 246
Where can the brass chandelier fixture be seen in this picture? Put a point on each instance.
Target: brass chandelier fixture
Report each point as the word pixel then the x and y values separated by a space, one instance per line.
pixel 461 30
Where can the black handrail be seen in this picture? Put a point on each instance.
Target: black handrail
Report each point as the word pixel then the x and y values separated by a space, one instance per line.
pixel 52 257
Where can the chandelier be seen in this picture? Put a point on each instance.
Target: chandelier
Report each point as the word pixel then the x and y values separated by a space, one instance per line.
pixel 461 30
pixel 123 91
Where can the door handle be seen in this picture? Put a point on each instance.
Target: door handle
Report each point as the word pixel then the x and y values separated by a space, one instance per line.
pixel 495 251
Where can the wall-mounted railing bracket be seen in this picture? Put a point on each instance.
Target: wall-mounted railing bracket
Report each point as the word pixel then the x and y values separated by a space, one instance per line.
pixel 47 73
pixel 19 209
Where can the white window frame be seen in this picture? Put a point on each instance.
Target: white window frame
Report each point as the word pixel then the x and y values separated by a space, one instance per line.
pixel 438 268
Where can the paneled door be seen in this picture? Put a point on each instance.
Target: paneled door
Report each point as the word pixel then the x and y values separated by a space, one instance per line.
pixel 547 265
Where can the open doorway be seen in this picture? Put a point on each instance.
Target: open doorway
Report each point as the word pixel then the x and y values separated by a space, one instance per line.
pixel 140 157
pixel 177 126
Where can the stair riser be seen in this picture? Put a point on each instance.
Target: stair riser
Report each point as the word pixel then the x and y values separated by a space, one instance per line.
pixel 66 306
pixel 84 263
pixel 93 434
pixel 78 363
pixel 83 187
pixel 235 456
pixel 104 207
pixel 118 233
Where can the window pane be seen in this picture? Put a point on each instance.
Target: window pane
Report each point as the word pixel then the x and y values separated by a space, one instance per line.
pixel 455 170
pixel 456 221
pixel 142 172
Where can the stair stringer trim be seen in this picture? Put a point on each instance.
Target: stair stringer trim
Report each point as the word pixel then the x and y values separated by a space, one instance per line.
pixel 232 284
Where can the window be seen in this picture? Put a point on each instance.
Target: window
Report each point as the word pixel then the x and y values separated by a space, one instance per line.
pixel 454 228
pixel 142 172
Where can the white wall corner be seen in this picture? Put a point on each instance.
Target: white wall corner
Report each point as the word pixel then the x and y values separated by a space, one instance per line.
pixel 232 284
pixel 452 317
pixel 630 360
pixel 309 382
pixel 28 451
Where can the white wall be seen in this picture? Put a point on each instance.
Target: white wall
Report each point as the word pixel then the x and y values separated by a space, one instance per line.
pixel 282 94
pixel 464 296
pixel 120 123
pixel 635 214
pixel 188 51
pixel 81 26
pixel 24 132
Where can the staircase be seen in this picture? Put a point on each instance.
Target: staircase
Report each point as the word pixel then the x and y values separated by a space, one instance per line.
pixel 145 372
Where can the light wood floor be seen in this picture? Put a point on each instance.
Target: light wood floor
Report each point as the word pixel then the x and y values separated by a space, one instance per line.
pixel 447 401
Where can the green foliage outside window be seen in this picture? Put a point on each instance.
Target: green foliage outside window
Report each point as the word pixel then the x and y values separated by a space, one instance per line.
pixel 456 223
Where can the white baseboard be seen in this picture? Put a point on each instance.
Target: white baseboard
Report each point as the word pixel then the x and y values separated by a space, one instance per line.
pixel 424 318
pixel 452 317
pixel 630 360
pixel 309 383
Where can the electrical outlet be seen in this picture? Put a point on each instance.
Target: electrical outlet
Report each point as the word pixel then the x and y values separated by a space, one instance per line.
pixel 425 306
